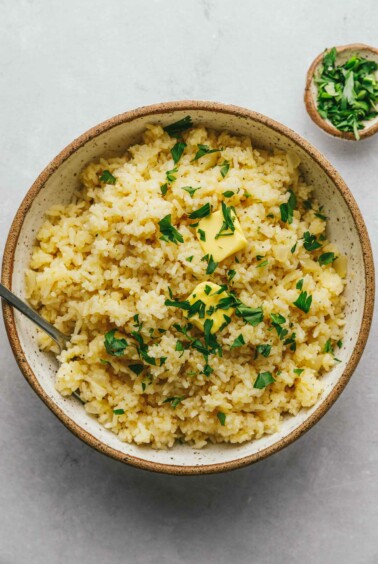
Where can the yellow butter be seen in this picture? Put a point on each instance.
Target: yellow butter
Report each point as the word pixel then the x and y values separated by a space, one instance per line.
pixel 210 299
pixel 222 247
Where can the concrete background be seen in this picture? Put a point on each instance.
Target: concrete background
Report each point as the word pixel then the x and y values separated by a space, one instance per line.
pixel 66 66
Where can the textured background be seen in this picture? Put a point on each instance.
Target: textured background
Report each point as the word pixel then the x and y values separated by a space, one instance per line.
pixel 65 66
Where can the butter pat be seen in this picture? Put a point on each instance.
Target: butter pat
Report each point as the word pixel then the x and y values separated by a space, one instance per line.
pixel 222 247
pixel 211 299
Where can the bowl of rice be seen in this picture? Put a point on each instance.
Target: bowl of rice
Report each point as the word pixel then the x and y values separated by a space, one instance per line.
pixel 215 277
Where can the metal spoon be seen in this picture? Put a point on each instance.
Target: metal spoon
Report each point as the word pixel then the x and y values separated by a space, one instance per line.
pixel 21 306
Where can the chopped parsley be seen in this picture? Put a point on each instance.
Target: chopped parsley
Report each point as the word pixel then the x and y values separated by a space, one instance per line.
pixel 228 193
pixel 171 174
pixel 178 127
pixel 222 418
pixel 263 379
pixel 175 303
pixel 174 400
pixel 142 350
pixel 136 368
pixel 177 151
pixel 347 93
pixel 262 263
pixel 328 348
pixel 228 221
pixel 225 167
pixel 264 350
pixel 321 216
pixel 287 209
pixel 207 289
pixel 310 242
pixel 107 177
pixel 291 341
pixel 168 232
pixel 103 361
pixel 189 259
pixel 292 250
pixel 277 321
pixel 179 347
pixel 298 371
pixel 146 381
pixel 204 150
pixel 164 189
pixel 118 411
pixel 326 258
pixel 203 211
pixel 211 265
pixel 252 316
pixel 339 344
pixel 303 302
pixel 239 342
pixel 202 234
pixel 190 190
pixel 114 346
pixel 299 284
pixel 231 274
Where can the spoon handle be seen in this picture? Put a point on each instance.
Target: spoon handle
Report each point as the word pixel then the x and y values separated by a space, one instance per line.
pixel 21 306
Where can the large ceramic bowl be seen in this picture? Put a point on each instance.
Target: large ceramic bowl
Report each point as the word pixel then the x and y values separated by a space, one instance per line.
pixel 57 183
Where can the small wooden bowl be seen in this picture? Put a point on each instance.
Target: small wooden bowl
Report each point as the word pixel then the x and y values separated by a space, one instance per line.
pixel 311 91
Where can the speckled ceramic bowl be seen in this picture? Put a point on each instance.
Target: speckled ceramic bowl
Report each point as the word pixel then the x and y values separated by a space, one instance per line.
pixel 344 52
pixel 57 183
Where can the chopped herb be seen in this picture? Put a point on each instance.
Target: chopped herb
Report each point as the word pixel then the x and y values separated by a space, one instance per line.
pixel 170 174
pixel 164 189
pixel 114 346
pixel 277 318
pixel 225 167
pixel 118 411
pixel 326 258
pixel 303 302
pixel 228 221
pixel 168 232
pixel 264 350
pixel 162 330
pixel 310 242
pixel 263 263
pixel 336 359
pixel 347 93
pixel 211 265
pixel 174 303
pixel 270 215
pixel 136 368
pixel 339 344
pixel 239 342
pixel 288 208
pixel 307 204
pixel 237 260
pixel 291 341
pixel 252 316
pixel 222 418
pixel 292 250
pixel 299 284
pixel 202 234
pixel 263 380
pixel 189 259
pixel 198 307
pixel 107 177
pixel 328 348
pixel 277 321
pixel 190 190
pixel 136 319
pixel 298 371
pixel 247 194
pixel 207 370
pixel 204 150
pixel 231 274
pixel 174 400
pixel 321 216
pixel 142 350
pixel 204 211
pixel 259 257
pixel 177 151
pixel 228 193
pixel 207 289
pixel 178 127
pixel 146 380
pixel 103 361
pixel 179 347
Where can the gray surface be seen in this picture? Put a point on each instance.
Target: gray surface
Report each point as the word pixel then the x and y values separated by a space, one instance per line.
pixel 65 66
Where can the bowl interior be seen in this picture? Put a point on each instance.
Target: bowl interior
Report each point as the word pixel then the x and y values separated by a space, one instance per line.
pixel 343 54
pixel 60 186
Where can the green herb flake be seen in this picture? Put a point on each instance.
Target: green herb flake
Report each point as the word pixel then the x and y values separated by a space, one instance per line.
pixel 293 248
pixel 287 210
pixel 171 174
pixel 164 189
pixel 299 284
pixel 339 344
pixel 228 193
pixel 326 258
pixel 168 232
pixel 118 411
pixel 174 400
pixel 263 263
pixel 264 350
pixel 211 265
pixel 222 418
pixel 114 346
pixel 207 289
pixel 191 191
pixel 228 226
pixel 136 368
pixel 107 177
pixel 328 348
pixel 298 371
pixel 204 150
pixel 103 361
pixel 189 259
pixel 277 318
pixel 321 216
pixel 303 302
pixel 239 342
pixel 207 370
pixel 177 151
pixel 252 316
pixel 263 379
pixel 203 211
pixel 231 274
pixel 225 167
pixel 202 234
pixel 310 242
pixel 178 127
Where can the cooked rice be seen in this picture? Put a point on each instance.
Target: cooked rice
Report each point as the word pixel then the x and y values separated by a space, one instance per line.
pixel 99 261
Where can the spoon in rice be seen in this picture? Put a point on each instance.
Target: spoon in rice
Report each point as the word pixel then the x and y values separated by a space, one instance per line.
pixel 55 334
